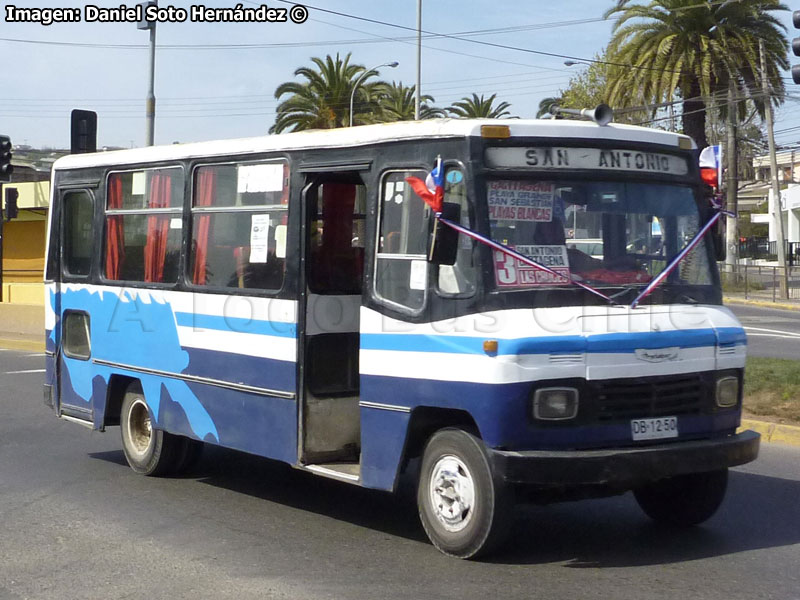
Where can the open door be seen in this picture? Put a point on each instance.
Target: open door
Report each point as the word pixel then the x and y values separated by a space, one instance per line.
pixel 330 432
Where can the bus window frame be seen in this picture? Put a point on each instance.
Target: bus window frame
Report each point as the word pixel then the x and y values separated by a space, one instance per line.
pixel 186 276
pixel 104 213
pixel 63 273
pixel 472 220
pixel 400 308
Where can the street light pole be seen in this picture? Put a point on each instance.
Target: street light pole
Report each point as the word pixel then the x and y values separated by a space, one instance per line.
pixel 150 103
pixel 392 64
pixel 418 96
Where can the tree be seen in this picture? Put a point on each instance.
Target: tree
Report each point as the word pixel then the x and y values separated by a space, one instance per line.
pixel 692 50
pixel 323 100
pixel 545 104
pixel 475 107
pixel 398 103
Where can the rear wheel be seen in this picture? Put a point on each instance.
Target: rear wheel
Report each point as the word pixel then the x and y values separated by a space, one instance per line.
pixel 464 511
pixel 684 500
pixel 148 451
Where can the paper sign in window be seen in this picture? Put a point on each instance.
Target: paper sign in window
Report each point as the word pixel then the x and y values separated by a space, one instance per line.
pixel 259 238
pixel 520 200
pixel 510 272
pixel 259 178
pixel 138 181
pixel 418 278
pixel 280 241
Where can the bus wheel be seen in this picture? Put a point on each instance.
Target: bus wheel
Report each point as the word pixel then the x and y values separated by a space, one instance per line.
pixel 463 510
pixel 148 451
pixel 684 500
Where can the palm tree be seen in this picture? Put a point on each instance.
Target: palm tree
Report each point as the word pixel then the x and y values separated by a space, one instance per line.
pixel 323 100
pixel 398 104
pixel 546 104
pixel 472 108
pixel 694 50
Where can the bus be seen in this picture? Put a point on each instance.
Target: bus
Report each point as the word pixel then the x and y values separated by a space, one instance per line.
pixel 401 299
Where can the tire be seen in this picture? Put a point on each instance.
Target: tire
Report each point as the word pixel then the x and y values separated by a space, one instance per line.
pixel 684 500
pixel 148 451
pixel 465 512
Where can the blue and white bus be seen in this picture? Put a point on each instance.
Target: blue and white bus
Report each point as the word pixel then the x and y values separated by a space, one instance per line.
pixel 359 302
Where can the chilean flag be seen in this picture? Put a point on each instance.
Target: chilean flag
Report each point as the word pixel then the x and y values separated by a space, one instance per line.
pixel 432 189
pixel 711 166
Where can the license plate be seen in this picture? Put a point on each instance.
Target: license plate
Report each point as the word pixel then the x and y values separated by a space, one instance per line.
pixel 654 429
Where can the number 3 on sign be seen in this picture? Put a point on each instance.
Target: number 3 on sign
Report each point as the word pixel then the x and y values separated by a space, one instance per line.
pixel 505 268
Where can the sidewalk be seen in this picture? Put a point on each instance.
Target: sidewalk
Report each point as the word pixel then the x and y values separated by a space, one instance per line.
pixel 22 326
pixel 762 299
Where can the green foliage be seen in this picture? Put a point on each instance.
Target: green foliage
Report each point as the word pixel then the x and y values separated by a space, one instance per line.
pixel 322 101
pixel 398 103
pixel 476 108
pixel 692 50
pixel 772 388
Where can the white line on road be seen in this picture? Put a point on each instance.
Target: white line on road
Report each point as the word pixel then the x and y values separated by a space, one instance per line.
pixel 773 336
pixel 37 354
pixel 791 334
pixel 25 371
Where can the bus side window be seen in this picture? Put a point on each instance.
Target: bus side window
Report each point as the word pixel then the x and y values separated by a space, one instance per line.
pixel 401 267
pixel 144 225
pixel 458 279
pixel 77 233
pixel 239 220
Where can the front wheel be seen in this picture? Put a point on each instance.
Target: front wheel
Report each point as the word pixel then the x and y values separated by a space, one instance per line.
pixel 684 500
pixel 464 511
pixel 148 451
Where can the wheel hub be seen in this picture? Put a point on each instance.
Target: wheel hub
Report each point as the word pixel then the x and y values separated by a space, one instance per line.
pixel 140 429
pixel 452 493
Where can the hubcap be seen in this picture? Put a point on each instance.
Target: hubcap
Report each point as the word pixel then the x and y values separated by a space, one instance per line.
pixel 452 493
pixel 139 428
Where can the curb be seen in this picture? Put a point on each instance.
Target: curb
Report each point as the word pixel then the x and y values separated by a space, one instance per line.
pixel 773 432
pixel 761 303
pixel 21 344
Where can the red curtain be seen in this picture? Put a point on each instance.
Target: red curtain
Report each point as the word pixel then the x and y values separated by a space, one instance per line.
pixel 115 238
pixel 155 249
pixel 205 191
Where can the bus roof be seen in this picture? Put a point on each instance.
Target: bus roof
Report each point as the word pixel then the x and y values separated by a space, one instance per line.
pixel 371 134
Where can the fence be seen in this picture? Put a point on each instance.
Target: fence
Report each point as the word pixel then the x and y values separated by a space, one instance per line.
pixel 760 248
pixel 760 282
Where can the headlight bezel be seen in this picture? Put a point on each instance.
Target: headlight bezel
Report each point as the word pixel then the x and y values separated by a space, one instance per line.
pixel 726 381
pixel 538 402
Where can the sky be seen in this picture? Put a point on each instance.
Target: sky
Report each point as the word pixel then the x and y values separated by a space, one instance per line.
pixel 208 86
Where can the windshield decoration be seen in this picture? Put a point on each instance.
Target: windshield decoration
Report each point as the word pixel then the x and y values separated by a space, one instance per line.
pixel 678 258
pixel 516 255
pixel 432 189
pixel 711 166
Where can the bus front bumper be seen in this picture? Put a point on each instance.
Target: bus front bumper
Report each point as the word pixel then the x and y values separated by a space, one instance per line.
pixel 624 468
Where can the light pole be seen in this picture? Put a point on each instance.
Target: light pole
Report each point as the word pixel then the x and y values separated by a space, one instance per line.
pixel 572 63
pixel 150 103
pixel 392 64
pixel 418 96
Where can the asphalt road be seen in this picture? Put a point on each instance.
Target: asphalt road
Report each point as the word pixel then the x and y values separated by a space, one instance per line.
pixel 771 332
pixel 76 522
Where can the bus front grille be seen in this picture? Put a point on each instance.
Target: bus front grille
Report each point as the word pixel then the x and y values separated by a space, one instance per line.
pixel 621 399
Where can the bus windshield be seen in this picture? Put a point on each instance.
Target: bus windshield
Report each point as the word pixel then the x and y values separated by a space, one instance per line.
pixel 603 233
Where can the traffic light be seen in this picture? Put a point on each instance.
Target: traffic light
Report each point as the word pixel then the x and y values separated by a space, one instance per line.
pixel 796 46
pixel 12 209
pixel 6 167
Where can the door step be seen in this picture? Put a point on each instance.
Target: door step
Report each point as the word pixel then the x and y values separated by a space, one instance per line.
pixel 342 471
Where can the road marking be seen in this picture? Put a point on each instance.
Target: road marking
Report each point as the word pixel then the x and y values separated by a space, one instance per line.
pixel 777 332
pixel 25 371
pixel 37 354
pixel 773 336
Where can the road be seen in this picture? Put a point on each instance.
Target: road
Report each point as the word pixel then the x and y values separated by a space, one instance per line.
pixel 76 522
pixel 771 333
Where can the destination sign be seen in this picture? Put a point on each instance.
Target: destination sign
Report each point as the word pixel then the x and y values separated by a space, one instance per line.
pixel 603 159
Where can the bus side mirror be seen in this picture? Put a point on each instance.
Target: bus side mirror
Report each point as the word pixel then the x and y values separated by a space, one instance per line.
pixel 443 240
